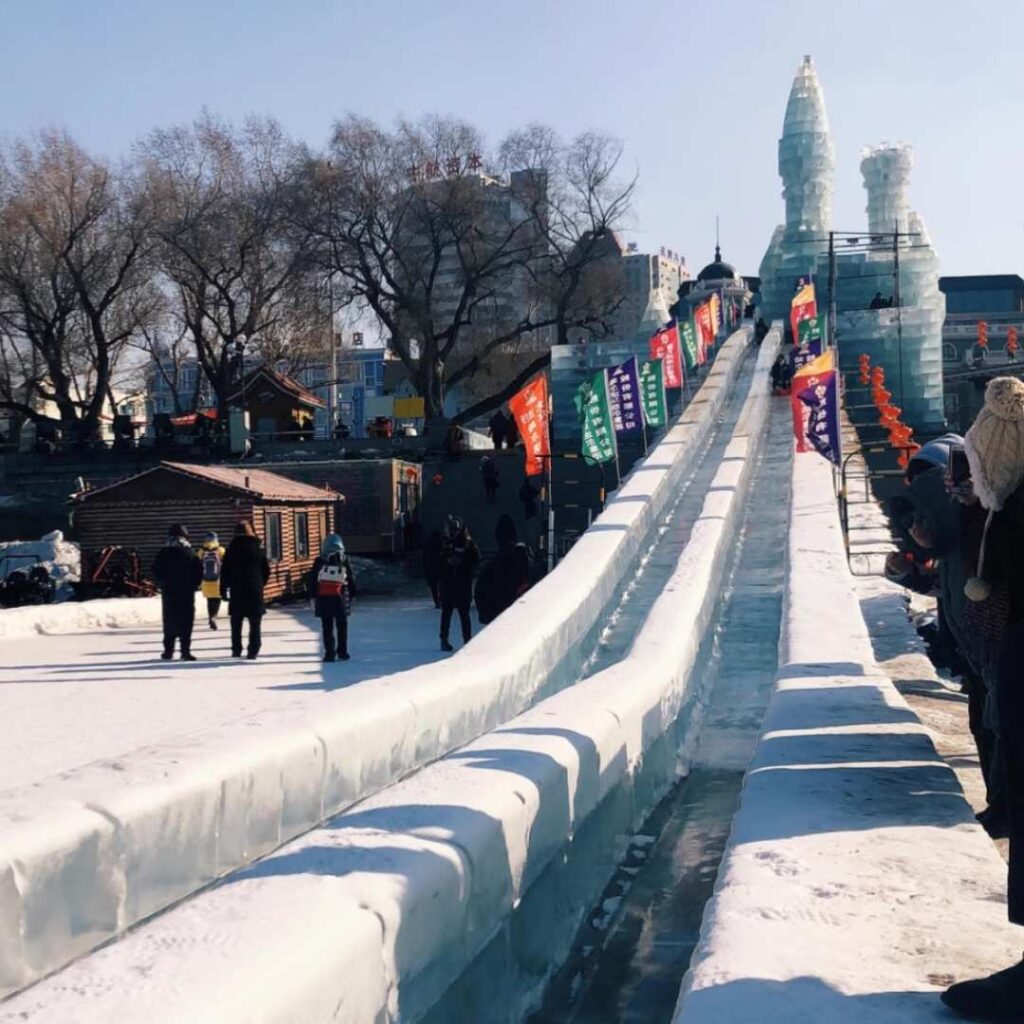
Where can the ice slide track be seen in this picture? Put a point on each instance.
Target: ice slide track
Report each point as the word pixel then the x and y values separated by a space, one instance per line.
pixel 398 908
pixel 109 850
pixel 673 534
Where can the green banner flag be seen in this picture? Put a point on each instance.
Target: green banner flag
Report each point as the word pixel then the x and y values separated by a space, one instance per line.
pixel 689 339
pixel 812 330
pixel 595 415
pixel 652 392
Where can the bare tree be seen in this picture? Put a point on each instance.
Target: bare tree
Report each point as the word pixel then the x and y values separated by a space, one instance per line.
pixel 234 262
pixel 459 258
pixel 74 241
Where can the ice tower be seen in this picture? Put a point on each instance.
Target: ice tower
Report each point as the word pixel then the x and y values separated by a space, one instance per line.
pixel 806 163
pixel 905 340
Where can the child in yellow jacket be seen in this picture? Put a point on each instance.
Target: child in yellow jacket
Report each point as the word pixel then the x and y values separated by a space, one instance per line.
pixel 211 557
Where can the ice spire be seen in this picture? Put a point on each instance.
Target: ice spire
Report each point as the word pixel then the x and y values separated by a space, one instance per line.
pixel 886 171
pixel 806 156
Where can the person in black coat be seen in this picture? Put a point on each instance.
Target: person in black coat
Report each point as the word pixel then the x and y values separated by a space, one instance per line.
pixel 332 596
pixel 177 572
pixel 507 576
pixel 432 564
pixel 459 559
pixel 243 576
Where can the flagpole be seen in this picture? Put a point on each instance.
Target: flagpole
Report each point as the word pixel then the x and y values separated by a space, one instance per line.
pixel 551 498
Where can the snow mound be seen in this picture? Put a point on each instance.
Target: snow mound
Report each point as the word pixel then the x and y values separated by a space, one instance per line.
pixel 62 559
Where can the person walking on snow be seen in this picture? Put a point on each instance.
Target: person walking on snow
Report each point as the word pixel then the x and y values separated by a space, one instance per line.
pixel 331 589
pixel 459 559
pixel 177 573
pixel 995 452
pixel 243 576
pixel 211 557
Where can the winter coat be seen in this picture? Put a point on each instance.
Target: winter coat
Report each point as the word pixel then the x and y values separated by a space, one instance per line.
pixel 503 580
pixel 528 495
pixel 459 560
pixel 244 574
pixel 332 607
pixel 177 571
pixel 1004 553
pixel 210 588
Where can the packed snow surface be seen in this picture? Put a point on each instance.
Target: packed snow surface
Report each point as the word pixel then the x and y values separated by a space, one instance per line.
pixel 857 883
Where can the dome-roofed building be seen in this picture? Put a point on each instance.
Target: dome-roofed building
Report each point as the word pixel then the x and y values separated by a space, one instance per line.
pixel 718 270
pixel 717 276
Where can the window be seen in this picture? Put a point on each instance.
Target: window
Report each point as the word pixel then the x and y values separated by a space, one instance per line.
pixel 301 534
pixel 274 540
pixel 949 352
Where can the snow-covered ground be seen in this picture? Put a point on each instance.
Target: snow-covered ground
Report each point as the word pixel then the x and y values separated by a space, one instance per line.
pixel 72 700
pixel 857 884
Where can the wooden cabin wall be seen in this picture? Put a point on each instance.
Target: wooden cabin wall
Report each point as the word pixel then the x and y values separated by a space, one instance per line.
pixel 289 575
pixel 144 525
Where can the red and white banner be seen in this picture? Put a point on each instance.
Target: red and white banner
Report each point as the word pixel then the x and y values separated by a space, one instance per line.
pixel 664 345
pixel 705 326
pixel 530 408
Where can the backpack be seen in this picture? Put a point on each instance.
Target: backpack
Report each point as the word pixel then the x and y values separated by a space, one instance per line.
pixel 330 580
pixel 211 565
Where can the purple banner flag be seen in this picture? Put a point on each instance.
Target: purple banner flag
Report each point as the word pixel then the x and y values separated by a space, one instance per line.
pixel 820 419
pixel 624 397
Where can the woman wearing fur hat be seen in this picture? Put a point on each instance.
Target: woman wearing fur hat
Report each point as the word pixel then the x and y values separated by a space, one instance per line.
pixel 995 451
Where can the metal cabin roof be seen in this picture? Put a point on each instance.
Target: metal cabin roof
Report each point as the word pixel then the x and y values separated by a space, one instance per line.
pixel 256 483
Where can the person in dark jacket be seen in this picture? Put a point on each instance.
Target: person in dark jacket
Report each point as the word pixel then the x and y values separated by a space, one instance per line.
pixel 432 564
pixel 507 576
pixel 177 572
pixel 498 425
pixel 243 576
pixel 331 589
pixel 459 560
pixel 995 601
pixel 492 475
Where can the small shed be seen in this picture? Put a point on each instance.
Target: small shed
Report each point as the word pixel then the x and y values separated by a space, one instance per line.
pixel 278 406
pixel 381 506
pixel 291 518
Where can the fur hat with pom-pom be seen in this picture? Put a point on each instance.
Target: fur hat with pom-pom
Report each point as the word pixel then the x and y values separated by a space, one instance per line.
pixel 995 443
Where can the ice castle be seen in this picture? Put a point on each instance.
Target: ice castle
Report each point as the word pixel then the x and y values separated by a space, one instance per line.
pixel 906 339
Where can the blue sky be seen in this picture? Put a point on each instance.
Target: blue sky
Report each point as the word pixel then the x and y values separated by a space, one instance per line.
pixel 697 92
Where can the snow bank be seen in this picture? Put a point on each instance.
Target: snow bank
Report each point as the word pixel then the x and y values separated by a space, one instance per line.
pixel 133 836
pixel 62 559
pixel 856 883
pixel 83 616
pixel 465 883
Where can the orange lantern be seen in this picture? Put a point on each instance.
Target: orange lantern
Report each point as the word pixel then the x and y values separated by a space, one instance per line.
pixel 982 334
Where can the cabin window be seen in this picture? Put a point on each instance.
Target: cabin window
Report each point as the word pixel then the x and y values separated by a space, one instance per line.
pixel 301 534
pixel 274 538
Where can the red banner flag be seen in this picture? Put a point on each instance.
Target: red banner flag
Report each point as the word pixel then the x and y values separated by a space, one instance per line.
pixel 705 327
pixel 803 307
pixel 664 345
pixel 530 408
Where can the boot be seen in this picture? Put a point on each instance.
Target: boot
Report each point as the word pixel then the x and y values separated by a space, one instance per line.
pixel 999 997
pixel 188 657
pixel 446 646
pixel 213 623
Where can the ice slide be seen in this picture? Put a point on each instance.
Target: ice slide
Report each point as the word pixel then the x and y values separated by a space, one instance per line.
pixel 393 909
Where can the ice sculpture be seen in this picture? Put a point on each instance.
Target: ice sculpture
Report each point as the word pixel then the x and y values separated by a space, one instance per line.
pixel 806 162
pixel 905 339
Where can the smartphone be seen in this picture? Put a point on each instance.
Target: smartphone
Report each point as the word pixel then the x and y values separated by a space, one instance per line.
pixel 959 467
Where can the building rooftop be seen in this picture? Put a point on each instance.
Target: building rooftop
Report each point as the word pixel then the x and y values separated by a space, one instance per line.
pixel 254 483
